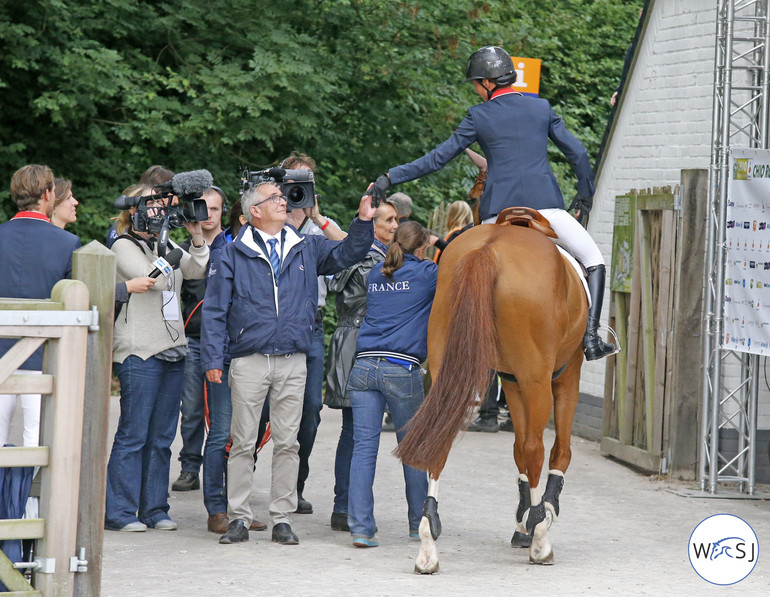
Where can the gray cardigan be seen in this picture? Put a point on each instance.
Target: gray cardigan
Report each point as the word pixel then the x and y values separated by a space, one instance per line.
pixel 140 328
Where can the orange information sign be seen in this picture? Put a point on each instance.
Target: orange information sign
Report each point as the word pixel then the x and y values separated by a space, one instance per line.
pixel 527 75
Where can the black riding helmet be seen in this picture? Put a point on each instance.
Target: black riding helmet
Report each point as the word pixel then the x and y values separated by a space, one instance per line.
pixel 493 63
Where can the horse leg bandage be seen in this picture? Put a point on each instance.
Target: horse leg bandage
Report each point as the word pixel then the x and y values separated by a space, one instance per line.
pixel 553 489
pixel 524 500
pixel 430 511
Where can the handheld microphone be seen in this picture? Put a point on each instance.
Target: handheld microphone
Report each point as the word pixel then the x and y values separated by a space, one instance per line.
pixel 166 266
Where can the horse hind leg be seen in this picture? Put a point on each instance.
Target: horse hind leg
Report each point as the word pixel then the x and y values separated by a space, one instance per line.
pixel 521 537
pixel 430 529
pixel 539 518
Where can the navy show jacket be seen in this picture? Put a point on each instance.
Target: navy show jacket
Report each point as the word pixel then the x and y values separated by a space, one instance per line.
pixel 242 303
pixel 513 132
pixel 34 256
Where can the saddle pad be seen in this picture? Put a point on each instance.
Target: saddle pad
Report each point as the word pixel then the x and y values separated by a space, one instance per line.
pixel 573 262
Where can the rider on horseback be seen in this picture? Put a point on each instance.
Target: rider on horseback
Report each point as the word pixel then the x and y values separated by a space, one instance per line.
pixel 513 131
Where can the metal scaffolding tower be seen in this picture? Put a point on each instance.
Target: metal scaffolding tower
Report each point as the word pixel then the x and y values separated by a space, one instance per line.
pixel 740 119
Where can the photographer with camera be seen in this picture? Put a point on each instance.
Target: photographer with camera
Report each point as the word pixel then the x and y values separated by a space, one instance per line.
pixel 310 221
pixel 149 350
pixel 263 297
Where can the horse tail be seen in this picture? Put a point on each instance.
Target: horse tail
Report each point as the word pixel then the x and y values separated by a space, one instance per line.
pixel 469 354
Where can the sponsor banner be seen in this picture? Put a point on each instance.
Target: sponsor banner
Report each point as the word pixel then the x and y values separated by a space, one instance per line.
pixel 747 253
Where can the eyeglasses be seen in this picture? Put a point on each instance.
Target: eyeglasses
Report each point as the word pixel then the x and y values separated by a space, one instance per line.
pixel 274 198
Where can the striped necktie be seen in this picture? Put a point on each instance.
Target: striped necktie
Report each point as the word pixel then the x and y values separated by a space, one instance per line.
pixel 275 260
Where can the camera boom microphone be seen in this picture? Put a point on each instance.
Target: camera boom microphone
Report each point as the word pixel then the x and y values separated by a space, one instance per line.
pixel 166 266
pixel 190 183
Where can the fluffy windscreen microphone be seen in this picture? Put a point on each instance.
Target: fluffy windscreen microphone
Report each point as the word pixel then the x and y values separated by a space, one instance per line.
pixel 166 265
pixel 194 182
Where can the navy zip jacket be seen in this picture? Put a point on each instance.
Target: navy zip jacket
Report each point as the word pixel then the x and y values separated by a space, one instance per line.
pixel 513 132
pixel 241 301
pixel 397 311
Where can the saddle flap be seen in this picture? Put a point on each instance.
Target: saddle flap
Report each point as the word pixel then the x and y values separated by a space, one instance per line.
pixel 528 218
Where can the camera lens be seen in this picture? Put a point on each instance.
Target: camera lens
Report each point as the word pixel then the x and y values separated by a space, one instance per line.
pixel 296 194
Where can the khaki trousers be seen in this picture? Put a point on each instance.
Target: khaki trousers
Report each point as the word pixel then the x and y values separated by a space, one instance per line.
pixel 252 379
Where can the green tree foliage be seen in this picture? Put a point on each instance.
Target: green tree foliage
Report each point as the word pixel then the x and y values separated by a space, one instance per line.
pixel 99 90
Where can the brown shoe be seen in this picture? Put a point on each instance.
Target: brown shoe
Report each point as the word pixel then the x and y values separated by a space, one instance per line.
pixel 218 523
pixel 257 526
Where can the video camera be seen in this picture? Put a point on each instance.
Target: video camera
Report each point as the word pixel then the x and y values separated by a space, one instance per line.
pixel 298 186
pixel 178 203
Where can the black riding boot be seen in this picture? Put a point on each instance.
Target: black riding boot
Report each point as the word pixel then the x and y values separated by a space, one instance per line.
pixel 593 346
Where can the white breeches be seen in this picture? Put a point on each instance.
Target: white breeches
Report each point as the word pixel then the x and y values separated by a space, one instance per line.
pixel 572 236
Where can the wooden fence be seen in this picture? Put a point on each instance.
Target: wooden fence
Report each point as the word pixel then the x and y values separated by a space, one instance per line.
pixel 75 380
pixel 652 386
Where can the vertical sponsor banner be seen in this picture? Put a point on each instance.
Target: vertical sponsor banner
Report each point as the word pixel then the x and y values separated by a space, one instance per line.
pixel 527 75
pixel 623 244
pixel 747 253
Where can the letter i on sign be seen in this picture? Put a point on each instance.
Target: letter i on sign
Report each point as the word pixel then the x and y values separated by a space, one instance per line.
pixel 527 75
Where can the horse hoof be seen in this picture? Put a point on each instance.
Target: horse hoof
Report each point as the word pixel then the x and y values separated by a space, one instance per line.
pixel 520 539
pixel 432 570
pixel 547 561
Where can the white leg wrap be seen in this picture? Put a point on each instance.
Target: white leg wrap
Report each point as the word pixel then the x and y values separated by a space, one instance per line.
pixel 427 558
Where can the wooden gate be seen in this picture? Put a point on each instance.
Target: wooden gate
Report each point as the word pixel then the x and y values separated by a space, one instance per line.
pixel 73 447
pixel 652 386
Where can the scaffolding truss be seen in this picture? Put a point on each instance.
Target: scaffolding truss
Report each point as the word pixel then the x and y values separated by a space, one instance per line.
pixel 740 119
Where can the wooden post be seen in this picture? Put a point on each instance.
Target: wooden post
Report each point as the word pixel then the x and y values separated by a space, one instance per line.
pixel 61 425
pixel 94 264
pixel 686 350
pixel 648 321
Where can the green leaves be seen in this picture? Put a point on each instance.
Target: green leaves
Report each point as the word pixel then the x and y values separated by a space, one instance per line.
pixel 101 90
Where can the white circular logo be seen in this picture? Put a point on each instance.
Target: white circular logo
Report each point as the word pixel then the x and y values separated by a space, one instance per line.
pixel 723 549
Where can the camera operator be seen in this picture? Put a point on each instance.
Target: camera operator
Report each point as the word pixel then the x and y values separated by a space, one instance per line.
pixel 263 297
pixel 310 221
pixel 149 351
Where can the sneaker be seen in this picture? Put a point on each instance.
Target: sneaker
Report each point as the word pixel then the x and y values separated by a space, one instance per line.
pixel 506 425
pixel 132 527
pixel 484 424
pixel 414 534
pixel 364 542
pixel 339 521
pixel 186 481
pixel 388 425
pixel 165 524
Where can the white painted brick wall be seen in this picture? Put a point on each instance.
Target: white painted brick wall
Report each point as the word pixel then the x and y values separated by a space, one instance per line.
pixel 663 126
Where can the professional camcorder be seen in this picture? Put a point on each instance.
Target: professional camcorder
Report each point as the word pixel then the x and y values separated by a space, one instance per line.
pixel 175 203
pixel 298 186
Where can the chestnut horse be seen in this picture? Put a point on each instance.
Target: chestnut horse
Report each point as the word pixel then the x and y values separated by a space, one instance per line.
pixel 506 300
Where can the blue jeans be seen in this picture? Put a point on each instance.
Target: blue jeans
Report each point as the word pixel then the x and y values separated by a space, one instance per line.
pixel 373 384
pixel 214 454
pixel 192 428
pixel 311 404
pixel 138 470
pixel 342 462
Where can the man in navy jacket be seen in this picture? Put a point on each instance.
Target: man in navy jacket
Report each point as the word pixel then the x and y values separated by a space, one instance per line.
pixel 34 255
pixel 262 298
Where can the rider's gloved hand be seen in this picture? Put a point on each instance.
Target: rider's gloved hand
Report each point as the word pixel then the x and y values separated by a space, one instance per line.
pixel 379 188
pixel 582 203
